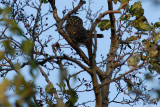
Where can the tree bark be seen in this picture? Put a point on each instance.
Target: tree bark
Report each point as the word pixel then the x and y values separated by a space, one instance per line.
pixel 110 58
pixel 105 94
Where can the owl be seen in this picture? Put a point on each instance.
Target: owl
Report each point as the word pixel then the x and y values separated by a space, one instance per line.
pixel 77 33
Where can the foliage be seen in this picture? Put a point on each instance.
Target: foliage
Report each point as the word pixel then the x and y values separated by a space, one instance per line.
pixel 104 24
pixel 34 43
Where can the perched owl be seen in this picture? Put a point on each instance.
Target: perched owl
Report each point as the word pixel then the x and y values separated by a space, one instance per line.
pixel 76 31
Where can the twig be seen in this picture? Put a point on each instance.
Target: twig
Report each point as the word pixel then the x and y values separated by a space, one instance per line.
pixel 47 80
pixel 122 75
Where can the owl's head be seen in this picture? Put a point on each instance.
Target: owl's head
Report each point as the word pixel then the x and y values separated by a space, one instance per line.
pixel 74 21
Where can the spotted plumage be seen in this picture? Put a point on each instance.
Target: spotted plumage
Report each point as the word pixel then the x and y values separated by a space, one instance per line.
pixel 77 33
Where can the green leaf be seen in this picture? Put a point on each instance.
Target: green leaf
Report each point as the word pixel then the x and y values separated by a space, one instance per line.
pixel 17 66
pixel 8 47
pixel 157 37
pixel 126 17
pixel 133 60
pixel 1 55
pixel 129 88
pixel 3 88
pixel 157 24
pixel 115 1
pixel 153 53
pixel 129 83
pixel 13 26
pixel 33 65
pixel 49 89
pixel 45 1
pixel 136 9
pixel 72 98
pixel 141 24
pixel 6 43
pixel 6 11
pixel 3 98
pixel 62 86
pixel 27 46
pixel 124 1
pixel 24 90
pixel 104 24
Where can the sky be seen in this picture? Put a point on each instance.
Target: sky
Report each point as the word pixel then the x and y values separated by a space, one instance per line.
pixel 150 11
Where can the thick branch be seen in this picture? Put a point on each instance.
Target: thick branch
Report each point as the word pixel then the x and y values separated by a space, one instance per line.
pixel 97 92
pixel 110 57
pixel 62 32
pixel 55 15
pixel 81 54
pixel 114 43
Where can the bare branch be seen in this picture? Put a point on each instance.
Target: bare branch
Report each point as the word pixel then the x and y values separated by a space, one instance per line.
pixel 101 16
pixel 67 58
pixel 47 80
pixel 122 75
pixel 12 66
pixel 55 15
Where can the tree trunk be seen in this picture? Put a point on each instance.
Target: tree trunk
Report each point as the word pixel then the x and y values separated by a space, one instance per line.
pixel 105 94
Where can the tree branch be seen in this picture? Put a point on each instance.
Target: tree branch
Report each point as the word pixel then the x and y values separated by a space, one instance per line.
pixel 63 33
pixel 67 58
pixel 121 75
pixel 101 16
pixel 47 80
pixel 54 8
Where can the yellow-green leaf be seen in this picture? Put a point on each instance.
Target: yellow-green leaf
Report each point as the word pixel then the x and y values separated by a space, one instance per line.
pixel 27 46
pixel 141 24
pixel 124 1
pixel 115 1
pixel 153 53
pixel 17 66
pixel 8 48
pixel 157 37
pixel 49 89
pixel 133 60
pixel 157 24
pixel 104 24
pixel 136 9
pixel 45 1
pixel 1 55
pixel 126 17
pixel 3 98
pixel 3 86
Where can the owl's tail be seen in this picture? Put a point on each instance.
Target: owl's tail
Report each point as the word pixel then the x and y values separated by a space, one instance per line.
pixel 99 36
